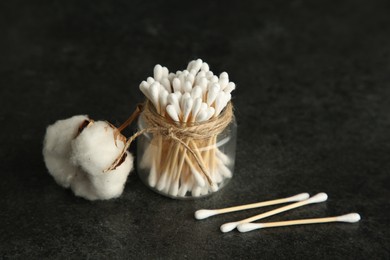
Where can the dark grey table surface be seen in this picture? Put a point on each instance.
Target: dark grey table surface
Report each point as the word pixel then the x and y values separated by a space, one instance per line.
pixel 312 105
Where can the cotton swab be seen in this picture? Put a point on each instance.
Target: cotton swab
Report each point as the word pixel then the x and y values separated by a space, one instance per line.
pixel 188 97
pixel 150 80
pixel 154 91
pixel 174 101
pixel 349 218
pixel 172 113
pixel 230 87
pixel 205 213
pixel 212 94
pixel 167 84
pixel 157 72
pixel 163 101
pixel 195 108
pixel 176 85
pixel 320 197
pixel 205 67
pixel 187 107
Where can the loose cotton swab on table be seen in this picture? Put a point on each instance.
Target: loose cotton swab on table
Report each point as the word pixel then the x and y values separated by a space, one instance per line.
pixel 205 213
pixel 350 218
pixel 320 197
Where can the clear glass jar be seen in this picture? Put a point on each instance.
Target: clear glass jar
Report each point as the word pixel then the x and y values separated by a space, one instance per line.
pixel 168 168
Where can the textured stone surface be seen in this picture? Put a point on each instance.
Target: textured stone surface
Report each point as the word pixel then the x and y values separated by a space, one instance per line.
pixel 312 106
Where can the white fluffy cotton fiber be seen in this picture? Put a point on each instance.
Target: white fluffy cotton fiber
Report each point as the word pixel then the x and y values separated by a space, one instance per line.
pixel 94 150
pixel 79 160
pixel 103 185
pixel 57 148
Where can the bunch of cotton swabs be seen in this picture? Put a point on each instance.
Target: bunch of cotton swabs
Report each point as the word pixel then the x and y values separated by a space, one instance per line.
pixel 300 200
pixel 194 95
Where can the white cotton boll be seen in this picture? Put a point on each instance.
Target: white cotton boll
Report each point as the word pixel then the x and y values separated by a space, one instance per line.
pixel 82 187
pixel 111 184
pixel 57 148
pixel 105 185
pixel 95 148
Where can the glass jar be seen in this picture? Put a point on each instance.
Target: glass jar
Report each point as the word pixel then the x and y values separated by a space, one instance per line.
pixel 168 168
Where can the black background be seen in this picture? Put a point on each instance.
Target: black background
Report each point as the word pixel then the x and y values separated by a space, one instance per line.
pixel 312 105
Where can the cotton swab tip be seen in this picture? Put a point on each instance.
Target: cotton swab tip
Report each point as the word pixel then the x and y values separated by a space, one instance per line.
pixel 227 227
pixel 246 227
pixel 351 218
pixel 214 187
pixel 320 197
pixel 204 213
pixel 300 197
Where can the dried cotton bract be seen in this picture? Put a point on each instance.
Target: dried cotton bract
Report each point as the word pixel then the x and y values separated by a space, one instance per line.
pixel 76 152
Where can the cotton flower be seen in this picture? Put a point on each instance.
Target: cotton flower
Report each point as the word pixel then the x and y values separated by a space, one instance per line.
pixel 57 148
pixel 77 151
pixel 95 150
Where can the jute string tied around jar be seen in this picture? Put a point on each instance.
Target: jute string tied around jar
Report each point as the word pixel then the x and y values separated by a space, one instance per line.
pixel 177 131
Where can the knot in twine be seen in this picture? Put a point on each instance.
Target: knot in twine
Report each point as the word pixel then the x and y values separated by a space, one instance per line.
pixel 178 131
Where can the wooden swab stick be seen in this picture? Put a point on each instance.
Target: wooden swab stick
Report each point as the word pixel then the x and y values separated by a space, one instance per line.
pixel 205 213
pixel 351 218
pixel 320 197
